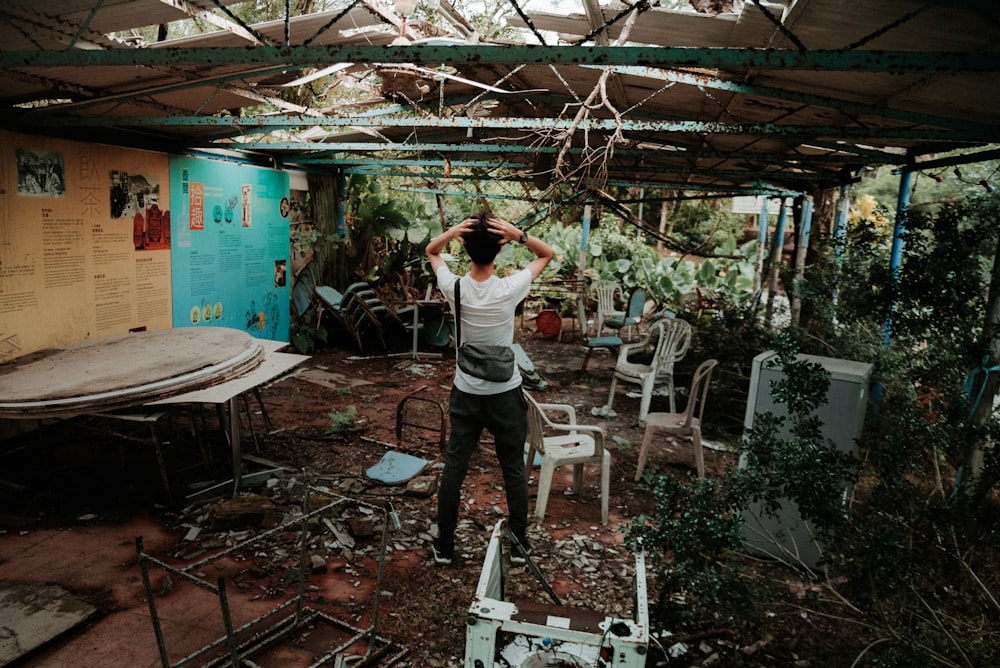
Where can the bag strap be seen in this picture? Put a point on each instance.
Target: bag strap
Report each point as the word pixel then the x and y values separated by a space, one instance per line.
pixel 458 313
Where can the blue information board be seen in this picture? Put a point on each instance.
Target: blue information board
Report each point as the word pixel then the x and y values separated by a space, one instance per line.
pixel 230 246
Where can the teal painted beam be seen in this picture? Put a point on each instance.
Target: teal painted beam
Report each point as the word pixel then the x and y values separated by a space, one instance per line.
pixel 724 58
pixel 681 198
pixel 335 147
pixel 376 164
pixel 460 193
pixel 799 172
pixel 534 198
pixel 313 153
pixel 317 152
pixel 421 162
pixel 754 187
pixel 851 109
pixel 952 161
pixel 250 123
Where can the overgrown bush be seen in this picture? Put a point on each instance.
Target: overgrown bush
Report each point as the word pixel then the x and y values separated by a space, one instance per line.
pixel 912 570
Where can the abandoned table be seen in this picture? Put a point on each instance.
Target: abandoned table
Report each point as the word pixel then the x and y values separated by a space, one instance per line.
pixel 114 372
pixel 117 372
pixel 275 364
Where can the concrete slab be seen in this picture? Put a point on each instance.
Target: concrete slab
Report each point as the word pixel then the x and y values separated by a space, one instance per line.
pixel 331 379
pixel 32 614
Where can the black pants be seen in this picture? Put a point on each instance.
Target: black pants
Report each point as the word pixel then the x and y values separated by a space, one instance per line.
pixel 505 416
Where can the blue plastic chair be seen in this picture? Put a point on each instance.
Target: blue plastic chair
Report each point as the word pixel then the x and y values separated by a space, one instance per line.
pixel 633 313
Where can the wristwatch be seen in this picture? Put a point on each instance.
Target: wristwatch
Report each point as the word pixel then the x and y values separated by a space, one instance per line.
pixel 524 237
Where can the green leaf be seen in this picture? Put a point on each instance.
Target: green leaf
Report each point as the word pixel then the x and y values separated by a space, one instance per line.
pixel 416 234
pixel 706 274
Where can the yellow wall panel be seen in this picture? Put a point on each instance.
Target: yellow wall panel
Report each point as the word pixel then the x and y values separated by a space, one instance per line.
pixel 84 242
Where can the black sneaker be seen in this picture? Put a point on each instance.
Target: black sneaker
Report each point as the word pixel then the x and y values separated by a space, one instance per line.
pixel 440 558
pixel 519 557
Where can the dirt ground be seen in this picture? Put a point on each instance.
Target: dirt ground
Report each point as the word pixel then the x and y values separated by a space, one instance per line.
pixel 398 403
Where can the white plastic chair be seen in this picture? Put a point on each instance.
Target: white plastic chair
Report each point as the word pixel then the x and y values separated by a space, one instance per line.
pixel 569 443
pixel 669 339
pixel 686 424
pixel 606 292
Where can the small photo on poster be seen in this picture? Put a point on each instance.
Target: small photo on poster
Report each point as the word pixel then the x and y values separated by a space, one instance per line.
pixel 137 197
pixel 247 203
pixel 280 273
pixel 40 173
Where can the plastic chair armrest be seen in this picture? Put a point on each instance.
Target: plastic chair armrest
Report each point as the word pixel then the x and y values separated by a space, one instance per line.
pixel 596 431
pixel 569 410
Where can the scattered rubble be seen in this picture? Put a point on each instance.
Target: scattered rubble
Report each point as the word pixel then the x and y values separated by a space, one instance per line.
pixel 422 606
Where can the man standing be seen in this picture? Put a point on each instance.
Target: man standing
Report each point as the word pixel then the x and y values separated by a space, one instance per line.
pixel 488 304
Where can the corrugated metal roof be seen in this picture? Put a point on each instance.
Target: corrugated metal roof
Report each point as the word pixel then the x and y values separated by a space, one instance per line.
pixel 790 96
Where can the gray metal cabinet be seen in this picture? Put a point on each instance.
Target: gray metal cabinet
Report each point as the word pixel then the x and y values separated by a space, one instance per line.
pixel 786 536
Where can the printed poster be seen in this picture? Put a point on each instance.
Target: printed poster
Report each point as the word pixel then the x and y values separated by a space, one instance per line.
pixel 230 247
pixel 84 242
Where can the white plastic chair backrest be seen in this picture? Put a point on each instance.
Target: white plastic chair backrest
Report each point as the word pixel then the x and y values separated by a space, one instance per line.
pixel 605 291
pixel 536 424
pixel 699 391
pixel 675 339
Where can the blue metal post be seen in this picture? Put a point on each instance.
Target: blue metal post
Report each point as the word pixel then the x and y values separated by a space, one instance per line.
pixel 839 243
pixel 807 219
pixel 840 225
pixel 802 249
pixel 761 243
pixel 341 203
pixel 779 232
pixel 585 236
pixel 898 236
pixel 777 244
pixel 581 306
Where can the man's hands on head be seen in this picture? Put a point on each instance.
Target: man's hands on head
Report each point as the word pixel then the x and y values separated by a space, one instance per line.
pixel 458 231
pixel 505 230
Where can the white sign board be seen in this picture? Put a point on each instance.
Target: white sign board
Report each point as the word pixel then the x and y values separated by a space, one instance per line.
pixel 752 204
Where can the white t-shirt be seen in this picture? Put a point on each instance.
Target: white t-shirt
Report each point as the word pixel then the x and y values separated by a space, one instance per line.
pixel 487 317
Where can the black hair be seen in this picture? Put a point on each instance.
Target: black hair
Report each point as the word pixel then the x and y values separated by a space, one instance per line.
pixel 482 243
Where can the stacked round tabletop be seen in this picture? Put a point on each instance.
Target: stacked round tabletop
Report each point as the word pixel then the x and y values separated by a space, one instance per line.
pixel 99 375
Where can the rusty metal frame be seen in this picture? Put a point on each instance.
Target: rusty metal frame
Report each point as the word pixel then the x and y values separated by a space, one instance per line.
pixel 251 639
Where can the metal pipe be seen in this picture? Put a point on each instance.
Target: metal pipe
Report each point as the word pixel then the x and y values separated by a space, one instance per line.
pixel 839 241
pixel 801 250
pixel 777 244
pixel 896 257
pixel 581 265
pixel 303 541
pixel 151 602
pixel 390 522
pixel 762 221
pixel 234 651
